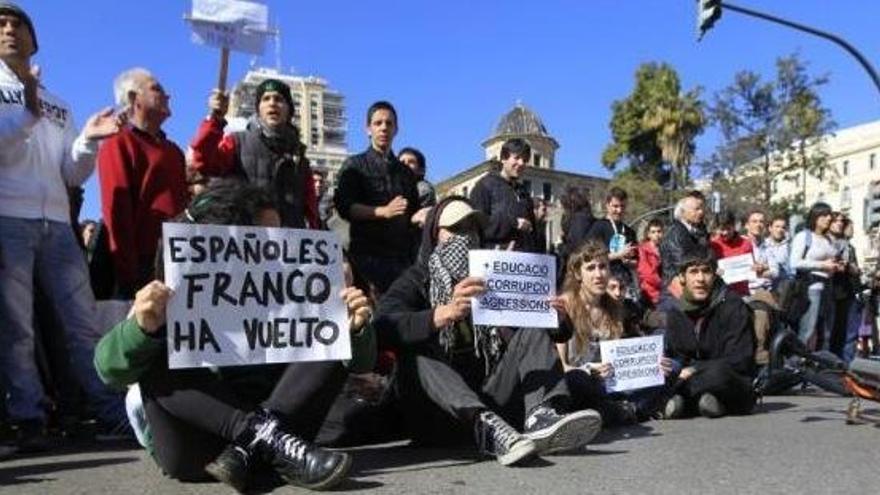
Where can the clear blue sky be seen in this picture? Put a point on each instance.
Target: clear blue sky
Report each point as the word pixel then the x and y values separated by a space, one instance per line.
pixel 453 68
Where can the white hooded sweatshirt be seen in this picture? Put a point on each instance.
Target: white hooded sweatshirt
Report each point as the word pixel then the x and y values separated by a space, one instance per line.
pixel 39 158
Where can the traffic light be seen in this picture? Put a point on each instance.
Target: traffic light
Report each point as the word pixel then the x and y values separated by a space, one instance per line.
pixel 872 206
pixel 708 11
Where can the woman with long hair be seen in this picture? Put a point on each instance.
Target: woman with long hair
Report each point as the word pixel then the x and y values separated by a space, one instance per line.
pixel 814 258
pixel 596 316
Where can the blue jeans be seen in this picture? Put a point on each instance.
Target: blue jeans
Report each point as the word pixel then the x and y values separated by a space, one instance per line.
pixel 47 252
pixel 817 323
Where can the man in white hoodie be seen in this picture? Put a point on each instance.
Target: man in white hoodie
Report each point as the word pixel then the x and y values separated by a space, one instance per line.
pixel 40 156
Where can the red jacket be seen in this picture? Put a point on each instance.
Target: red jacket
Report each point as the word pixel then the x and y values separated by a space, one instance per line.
pixel 215 154
pixel 725 249
pixel 648 269
pixel 143 183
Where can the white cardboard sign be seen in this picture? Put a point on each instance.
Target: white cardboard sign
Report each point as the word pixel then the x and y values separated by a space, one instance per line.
pixel 238 25
pixel 636 362
pixel 253 295
pixel 737 268
pixel 518 289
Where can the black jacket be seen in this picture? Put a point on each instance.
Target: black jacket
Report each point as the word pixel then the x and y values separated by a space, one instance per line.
pixel 283 171
pixel 576 231
pixel 405 318
pixel 503 202
pixel 676 242
pixel 372 179
pixel 726 333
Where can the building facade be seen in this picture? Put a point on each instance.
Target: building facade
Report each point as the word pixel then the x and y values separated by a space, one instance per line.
pixel 541 177
pixel 854 154
pixel 318 111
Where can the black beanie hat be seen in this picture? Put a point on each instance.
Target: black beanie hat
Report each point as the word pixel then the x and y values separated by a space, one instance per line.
pixel 276 86
pixel 11 8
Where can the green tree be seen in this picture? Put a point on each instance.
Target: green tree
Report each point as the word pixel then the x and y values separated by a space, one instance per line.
pixel 654 128
pixel 771 131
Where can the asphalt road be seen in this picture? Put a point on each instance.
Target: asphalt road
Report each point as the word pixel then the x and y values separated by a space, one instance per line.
pixel 798 444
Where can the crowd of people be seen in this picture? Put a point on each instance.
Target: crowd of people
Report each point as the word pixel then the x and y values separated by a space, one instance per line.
pixel 420 368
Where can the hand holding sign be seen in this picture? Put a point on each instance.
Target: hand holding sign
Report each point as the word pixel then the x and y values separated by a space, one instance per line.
pixel 149 306
pixel 359 309
pixel 460 306
pixel 218 104
pixel 518 289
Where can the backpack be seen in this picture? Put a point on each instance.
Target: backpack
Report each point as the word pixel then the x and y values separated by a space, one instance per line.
pixel 793 294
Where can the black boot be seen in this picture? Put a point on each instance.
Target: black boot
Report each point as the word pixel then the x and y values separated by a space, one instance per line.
pixel 298 462
pixel 232 467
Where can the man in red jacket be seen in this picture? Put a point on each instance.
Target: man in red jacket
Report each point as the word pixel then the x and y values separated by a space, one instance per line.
pixel 728 242
pixel 269 154
pixel 648 267
pixel 142 178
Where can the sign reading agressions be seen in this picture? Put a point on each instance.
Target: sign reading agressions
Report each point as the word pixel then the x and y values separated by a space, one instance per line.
pixel 518 289
pixel 237 25
pixel 636 362
pixel 253 295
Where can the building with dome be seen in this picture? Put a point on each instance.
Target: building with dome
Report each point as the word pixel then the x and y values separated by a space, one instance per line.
pixel 541 177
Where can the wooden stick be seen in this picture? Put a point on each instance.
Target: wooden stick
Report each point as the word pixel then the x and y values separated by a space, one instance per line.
pixel 224 69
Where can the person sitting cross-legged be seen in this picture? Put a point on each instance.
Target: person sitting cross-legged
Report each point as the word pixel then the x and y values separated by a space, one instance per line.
pixel 457 378
pixel 709 335
pixel 225 422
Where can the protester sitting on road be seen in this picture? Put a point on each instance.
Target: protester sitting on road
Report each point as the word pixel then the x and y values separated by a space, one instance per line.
pixel 598 312
pixel 227 422
pixel 648 269
pixel 457 378
pixel 814 257
pixel 709 336
pixel 41 156
pixel 268 154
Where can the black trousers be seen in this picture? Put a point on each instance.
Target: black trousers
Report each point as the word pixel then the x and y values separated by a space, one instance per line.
pixel 717 377
pixel 194 413
pixel 440 394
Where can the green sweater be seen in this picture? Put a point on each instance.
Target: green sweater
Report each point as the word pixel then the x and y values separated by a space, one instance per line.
pixel 125 353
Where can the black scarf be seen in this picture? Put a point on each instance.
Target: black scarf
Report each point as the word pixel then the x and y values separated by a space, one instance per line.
pixel 448 265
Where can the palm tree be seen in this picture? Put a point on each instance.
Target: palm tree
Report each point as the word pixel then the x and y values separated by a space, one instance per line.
pixel 676 122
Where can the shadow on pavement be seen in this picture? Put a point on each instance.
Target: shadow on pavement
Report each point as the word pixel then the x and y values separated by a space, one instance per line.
pixel 610 435
pixel 16 475
pixel 403 458
pixel 770 407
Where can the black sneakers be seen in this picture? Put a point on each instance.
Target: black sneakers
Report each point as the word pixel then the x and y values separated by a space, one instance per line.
pixel 554 432
pixel 497 438
pixel 297 461
pixel 232 467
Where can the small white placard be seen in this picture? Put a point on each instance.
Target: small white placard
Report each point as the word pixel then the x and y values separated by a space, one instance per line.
pixel 238 25
pixel 738 268
pixel 518 289
pixel 636 362
pixel 253 295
